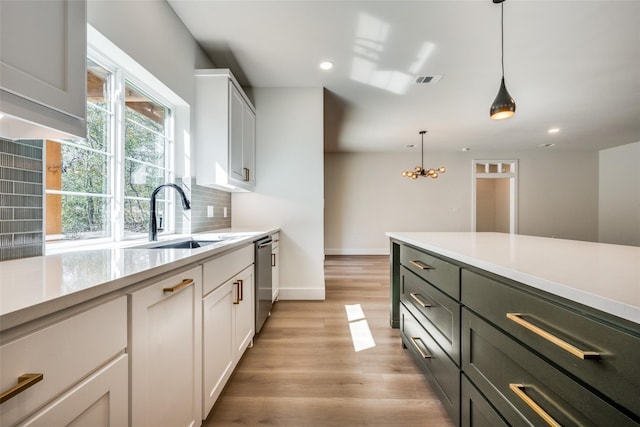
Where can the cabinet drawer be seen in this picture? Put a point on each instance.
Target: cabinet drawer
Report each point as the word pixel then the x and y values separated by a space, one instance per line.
pixel 64 353
pixel 523 387
pixel 442 373
pixel 614 371
pixel 438 313
pixel 475 411
pixel 219 270
pixel 440 273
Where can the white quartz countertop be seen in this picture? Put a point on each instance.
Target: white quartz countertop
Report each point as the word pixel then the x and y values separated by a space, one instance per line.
pixel 34 287
pixel 602 276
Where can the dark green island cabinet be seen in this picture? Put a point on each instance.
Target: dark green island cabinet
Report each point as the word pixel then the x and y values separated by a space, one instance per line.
pixel 499 352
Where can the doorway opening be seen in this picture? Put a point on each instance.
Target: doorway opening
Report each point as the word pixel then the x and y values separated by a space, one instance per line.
pixel 494 196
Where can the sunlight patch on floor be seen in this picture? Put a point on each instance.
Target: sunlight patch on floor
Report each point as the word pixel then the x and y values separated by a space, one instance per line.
pixel 359 327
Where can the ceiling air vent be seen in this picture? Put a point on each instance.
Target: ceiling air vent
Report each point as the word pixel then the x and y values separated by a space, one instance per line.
pixel 431 80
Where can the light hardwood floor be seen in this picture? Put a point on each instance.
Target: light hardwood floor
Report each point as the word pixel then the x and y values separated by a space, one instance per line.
pixel 304 370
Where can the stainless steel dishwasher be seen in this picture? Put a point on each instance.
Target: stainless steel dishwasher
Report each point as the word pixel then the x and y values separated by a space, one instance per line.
pixel 263 281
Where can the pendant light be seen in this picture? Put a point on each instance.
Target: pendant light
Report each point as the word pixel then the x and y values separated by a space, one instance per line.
pixel 420 170
pixel 503 106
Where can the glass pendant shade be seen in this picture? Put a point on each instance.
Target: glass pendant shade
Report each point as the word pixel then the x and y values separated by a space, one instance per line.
pixel 503 106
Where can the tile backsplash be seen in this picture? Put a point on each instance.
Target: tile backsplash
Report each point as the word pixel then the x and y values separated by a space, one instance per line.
pixel 22 202
pixel 21 199
pixel 201 198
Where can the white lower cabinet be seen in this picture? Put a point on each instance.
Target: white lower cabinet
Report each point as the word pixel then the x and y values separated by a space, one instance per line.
pixel 165 350
pixel 228 319
pixel 83 365
pixel 275 266
pixel 99 401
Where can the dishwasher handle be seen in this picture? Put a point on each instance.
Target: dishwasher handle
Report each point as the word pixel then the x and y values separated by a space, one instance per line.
pixel 264 243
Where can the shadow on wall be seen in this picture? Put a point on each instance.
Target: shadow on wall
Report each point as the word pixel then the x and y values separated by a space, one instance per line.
pixel 335 111
pixel 221 55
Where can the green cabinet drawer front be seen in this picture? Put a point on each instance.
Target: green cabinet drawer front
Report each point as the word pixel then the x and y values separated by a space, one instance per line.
pixel 475 411
pixel 437 312
pixel 524 388
pixel 613 371
pixel 440 273
pixel 440 371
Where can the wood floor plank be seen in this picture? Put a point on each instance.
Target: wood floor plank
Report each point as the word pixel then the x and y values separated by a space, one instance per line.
pixel 304 370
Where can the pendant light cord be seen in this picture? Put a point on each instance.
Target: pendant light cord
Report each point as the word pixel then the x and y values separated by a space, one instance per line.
pixel 502 35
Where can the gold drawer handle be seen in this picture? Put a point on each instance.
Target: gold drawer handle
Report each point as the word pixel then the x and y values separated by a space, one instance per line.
pixel 176 288
pixel 518 390
pixel 516 317
pixel 245 172
pixel 421 265
pixel 424 355
pixel 24 382
pixel 237 284
pixel 420 301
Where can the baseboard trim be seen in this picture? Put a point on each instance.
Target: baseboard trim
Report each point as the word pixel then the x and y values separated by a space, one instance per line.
pixel 301 294
pixel 356 251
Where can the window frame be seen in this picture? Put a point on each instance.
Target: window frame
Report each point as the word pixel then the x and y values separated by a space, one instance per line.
pixel 125 71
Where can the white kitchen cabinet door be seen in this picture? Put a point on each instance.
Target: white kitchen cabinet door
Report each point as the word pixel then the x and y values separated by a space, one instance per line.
pixel 217 346
pixel 245 309
pixel 225 132
pixel 249 145
pixel 102 400
pixel 275 267
pixel 43 54
pixel 236 129
pixel 166 352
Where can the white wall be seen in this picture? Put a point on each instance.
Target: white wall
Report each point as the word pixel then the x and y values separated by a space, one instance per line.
pixel 619 219
pixel 290 185
pixel 366 196
pixel 151 33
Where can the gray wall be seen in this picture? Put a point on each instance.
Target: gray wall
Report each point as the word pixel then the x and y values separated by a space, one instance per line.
pixel 365 196
pixel 619 217
pixel 21 199
pixel 289 188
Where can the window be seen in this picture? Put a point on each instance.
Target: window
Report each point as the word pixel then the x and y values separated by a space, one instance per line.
pixel 99 188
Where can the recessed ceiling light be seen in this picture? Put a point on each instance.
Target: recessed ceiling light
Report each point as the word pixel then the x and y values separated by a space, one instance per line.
pixel 466 149
pixel 326 65
pixel 410 145
pixel 546 145
pixel 554 130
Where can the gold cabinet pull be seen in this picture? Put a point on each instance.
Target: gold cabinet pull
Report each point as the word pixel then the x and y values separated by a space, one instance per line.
pixel 421 265
pixel 518 390
pixel 516 317
pixel 241 288
pixel 273 260
pixel 424 355
pixel 420 301
pixel 24 382
pixel 246 174
pixel 236 284
pixel 176 288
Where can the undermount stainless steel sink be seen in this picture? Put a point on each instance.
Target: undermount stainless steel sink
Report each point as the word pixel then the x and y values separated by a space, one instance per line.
pixel 182 244
pixel 188 244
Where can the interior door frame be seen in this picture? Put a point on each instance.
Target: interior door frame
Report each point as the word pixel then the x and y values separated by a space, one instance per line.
pixel 493 169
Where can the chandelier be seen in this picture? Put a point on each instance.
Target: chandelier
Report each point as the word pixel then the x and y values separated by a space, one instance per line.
pixel 420 170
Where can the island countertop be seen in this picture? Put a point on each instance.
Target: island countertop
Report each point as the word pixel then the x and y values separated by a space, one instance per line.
pixel 598 275
pixel 34 287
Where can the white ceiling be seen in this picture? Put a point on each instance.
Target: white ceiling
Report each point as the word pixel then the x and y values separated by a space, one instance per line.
pixel 568 64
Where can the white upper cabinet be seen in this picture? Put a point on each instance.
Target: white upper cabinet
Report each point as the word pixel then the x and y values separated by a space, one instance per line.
pixel 43 51
pixel 225 133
